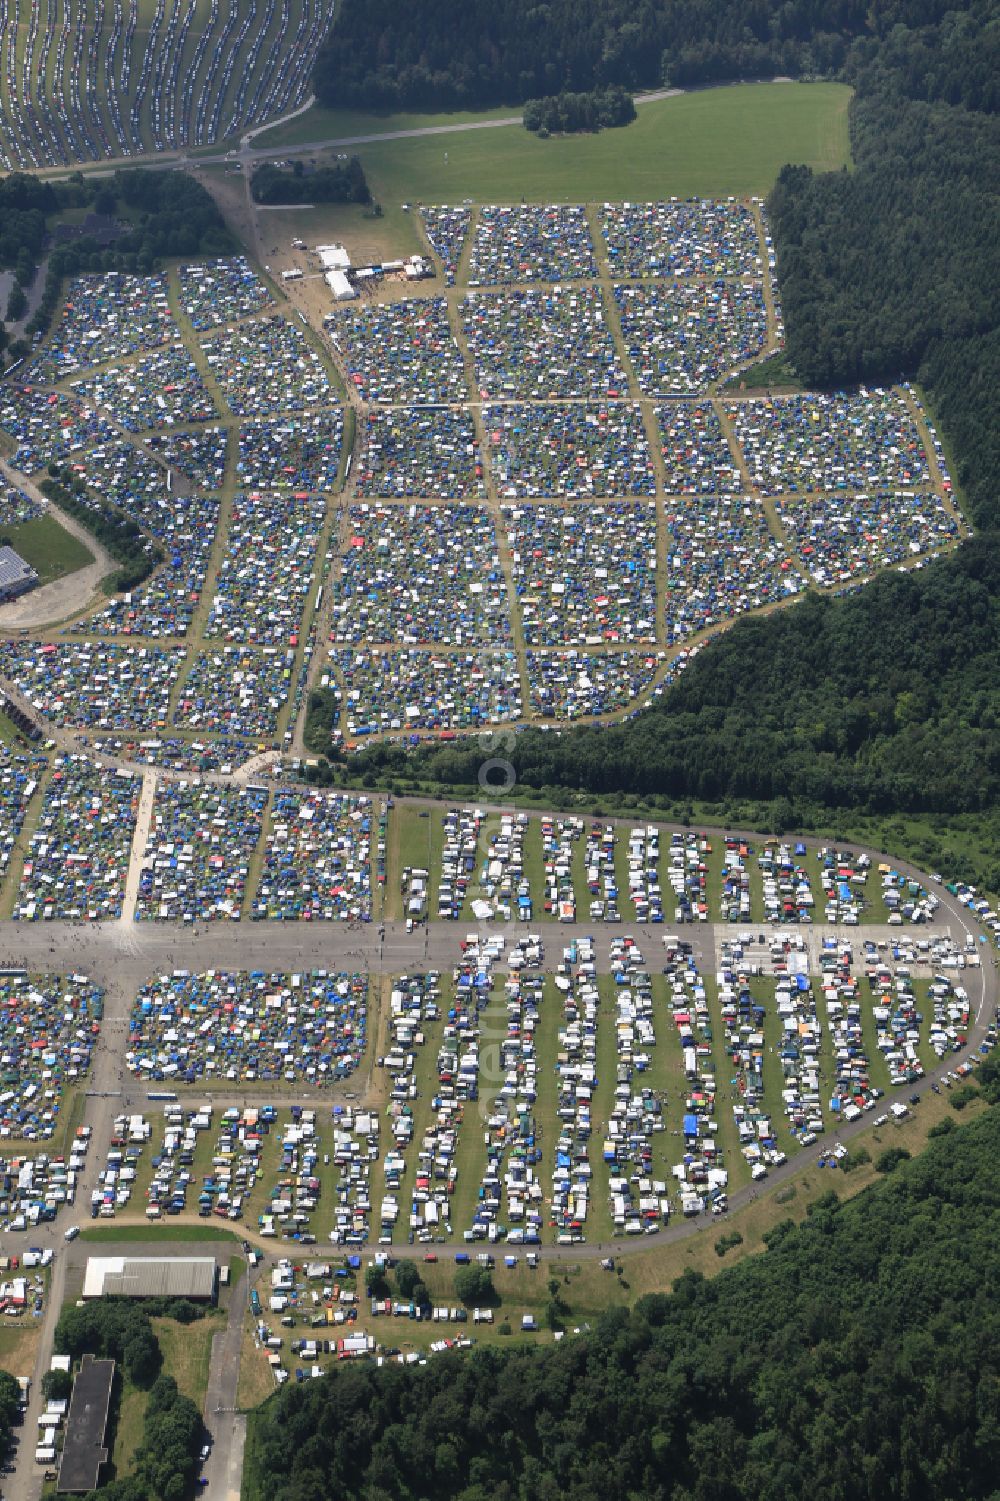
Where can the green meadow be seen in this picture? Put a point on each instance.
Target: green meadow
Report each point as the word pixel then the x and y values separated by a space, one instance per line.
pixel 712 143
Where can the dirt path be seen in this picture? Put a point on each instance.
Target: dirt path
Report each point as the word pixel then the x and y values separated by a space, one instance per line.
pixel 143 821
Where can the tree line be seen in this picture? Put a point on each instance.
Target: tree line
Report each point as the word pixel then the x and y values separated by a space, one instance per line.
pixel 855 1360
pixel 10 1407
pixel 123 538
pixel 883 701
pixel 342 183
pixel 474 53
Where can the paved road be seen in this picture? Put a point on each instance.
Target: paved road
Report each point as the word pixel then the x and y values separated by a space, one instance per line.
pixel 224 1467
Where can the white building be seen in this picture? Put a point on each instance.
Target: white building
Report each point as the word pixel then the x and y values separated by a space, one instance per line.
pixel 340 286
pixel 333 257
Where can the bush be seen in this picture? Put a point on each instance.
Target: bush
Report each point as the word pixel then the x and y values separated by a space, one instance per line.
pixel 376 1284
pixel 963 1095
pixel 942 1128
pixel 890 1159
pixel 855 1159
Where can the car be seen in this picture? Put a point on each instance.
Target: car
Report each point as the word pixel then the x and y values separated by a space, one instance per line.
pixel 72 1232
pixel 206 1450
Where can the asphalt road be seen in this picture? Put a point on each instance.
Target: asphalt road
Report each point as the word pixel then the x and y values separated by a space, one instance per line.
pixel 224 1467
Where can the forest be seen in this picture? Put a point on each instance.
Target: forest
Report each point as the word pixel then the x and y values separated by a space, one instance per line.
pixel 24 204
pixel 468 54
pixel 855 1360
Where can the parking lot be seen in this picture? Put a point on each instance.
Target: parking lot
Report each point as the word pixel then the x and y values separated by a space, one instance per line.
pixel 65 103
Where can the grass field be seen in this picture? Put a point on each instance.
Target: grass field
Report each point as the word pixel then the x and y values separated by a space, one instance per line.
pixel 715 142
pixel 19 1346
pixel 128 1428
pixel 48 547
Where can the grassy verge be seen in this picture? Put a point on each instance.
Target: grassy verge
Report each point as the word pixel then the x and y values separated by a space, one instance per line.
pixel 319 124
pixel 599 1223
pixel 256 1382
pixel 158 1232
pixel 534 870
